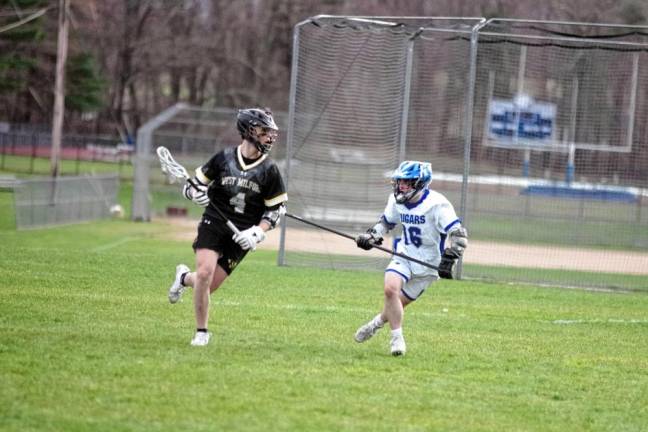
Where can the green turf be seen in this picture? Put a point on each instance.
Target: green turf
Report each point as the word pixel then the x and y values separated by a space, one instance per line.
pixel 557 222
pixel 88 341
pixel 24 166
pixel 522 275
pixel 7 212
pixel 537 231
pixel 559 277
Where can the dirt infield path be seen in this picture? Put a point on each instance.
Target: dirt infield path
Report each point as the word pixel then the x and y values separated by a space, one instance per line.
pixel 478 252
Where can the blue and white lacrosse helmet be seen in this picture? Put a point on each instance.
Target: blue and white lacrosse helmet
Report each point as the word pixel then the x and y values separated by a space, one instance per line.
pixel 420 175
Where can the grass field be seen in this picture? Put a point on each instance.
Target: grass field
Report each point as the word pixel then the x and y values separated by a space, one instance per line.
pixel 26 166
pixel 603 225
pixel 88 341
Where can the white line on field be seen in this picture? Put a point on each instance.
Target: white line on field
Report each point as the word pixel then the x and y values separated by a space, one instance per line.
pixel 600 321
pixel 442 312
pixel 114 244
pixel 328 308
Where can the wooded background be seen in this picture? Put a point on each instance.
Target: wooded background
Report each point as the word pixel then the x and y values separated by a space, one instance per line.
pixel 130 59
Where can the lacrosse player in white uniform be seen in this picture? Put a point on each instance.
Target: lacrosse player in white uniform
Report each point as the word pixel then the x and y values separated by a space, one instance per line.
pixel 431 232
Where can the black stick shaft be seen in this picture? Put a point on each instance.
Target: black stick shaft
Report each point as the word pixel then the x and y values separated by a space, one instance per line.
pixel 350 237
pixel 228 222
pixel 185 175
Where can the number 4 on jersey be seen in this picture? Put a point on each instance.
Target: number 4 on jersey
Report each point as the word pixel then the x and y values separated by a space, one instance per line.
pixel 238 203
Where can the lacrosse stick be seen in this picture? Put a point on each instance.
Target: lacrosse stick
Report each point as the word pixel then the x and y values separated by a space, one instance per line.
pixel 170 167
pixel 345 235
pixel 173 169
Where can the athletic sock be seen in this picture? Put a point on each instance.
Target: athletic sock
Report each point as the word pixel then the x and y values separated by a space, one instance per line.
pixel 378 322
pixel 202 330
pixel 182 278
pixel 397 332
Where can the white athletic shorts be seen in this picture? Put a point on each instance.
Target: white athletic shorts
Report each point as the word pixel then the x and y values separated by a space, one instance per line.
pixel 413 284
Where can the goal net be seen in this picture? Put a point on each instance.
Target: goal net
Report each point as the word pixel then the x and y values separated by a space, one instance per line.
pixel 558 145
pixel 535 131
pixel 365 94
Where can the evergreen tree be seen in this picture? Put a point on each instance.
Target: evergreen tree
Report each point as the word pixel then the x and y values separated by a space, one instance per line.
pixel 84 85
pixel 17 61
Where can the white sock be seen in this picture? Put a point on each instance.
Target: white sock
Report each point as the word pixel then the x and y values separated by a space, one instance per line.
pixel 378 322
pixel 397 332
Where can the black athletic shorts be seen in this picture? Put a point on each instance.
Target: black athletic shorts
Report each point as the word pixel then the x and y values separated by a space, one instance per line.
pixel 213 234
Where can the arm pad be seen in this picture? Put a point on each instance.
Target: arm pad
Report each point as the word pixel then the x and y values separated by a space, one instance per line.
pixel 273 215
pixel 457 240
pixel 193 185
pixel 380 229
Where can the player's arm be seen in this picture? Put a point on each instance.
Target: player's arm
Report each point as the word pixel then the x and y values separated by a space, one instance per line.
pixel 456 243
pixel 249 238
pixel 195 188
pixel 374 235
pixel 272 216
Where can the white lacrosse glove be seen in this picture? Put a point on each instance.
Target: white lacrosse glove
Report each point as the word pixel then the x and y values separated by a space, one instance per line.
pixel 249 238
pixel 196 191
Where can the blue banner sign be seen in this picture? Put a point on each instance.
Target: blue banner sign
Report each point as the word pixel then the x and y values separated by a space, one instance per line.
pixel 524 120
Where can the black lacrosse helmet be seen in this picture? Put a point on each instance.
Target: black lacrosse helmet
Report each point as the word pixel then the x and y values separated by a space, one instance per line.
pixel 250 118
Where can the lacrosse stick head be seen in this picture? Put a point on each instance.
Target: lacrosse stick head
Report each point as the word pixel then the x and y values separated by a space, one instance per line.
pixel 170 167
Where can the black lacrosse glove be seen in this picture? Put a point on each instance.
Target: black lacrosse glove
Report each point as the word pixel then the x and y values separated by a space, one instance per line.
pixel 367 240
pixel 447 264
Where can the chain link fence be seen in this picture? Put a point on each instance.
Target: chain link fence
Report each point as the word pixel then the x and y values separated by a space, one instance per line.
pixel 64 200
pixel 536 132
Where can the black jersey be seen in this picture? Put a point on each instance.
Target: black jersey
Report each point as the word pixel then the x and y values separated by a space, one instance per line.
pixel 240 190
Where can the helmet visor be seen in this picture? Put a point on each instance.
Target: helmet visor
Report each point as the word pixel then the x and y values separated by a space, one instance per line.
pixel 272 133
pixel 404 184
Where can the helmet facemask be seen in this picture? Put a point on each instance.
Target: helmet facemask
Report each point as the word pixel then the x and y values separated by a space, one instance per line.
pixel 254 125
pixel 256 134
pixel 416 185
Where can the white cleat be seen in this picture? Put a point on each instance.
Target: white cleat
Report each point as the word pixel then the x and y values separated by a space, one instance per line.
pixel 398 347
pixel 201 339
pixel 367 331
pixel 176 289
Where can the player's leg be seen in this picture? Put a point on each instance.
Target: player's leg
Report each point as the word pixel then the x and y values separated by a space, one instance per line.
pixel 393 311
pixel 367 330
pixel 408 293
pixel 397 340
pixel 205 267
pixel 395 303
pixel 210 236
pixel 183 279
pixel 217 280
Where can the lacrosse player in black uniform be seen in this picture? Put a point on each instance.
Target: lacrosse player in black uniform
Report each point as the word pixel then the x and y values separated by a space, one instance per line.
pixel 246 186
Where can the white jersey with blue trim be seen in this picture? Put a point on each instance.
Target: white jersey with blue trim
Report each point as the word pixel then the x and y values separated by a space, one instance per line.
pixel 425 225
